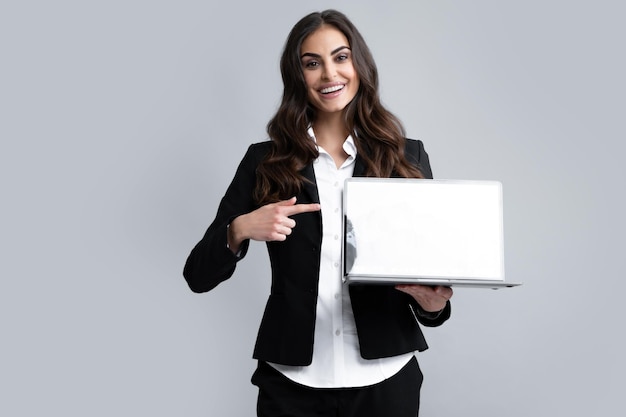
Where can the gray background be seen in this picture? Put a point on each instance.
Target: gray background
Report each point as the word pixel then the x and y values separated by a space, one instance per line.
pixel 122 123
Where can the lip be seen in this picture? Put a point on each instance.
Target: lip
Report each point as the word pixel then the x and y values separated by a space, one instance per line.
pixel 340 87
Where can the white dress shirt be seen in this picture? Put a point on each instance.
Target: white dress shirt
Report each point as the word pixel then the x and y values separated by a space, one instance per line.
pixel 337 361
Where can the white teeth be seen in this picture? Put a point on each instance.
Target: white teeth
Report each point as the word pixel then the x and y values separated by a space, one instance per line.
pixel 331 89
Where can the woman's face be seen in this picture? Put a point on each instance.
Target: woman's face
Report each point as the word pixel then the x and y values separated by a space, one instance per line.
pixel 330 77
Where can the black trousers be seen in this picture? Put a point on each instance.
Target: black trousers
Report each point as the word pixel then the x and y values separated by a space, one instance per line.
pixel 397 396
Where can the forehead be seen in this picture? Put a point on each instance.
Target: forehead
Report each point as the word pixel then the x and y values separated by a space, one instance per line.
pixel 325 39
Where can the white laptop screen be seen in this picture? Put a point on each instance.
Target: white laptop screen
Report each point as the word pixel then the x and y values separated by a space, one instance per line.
pixel 423 228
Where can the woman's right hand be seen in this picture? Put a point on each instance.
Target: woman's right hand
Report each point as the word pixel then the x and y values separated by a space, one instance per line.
pixel 271 222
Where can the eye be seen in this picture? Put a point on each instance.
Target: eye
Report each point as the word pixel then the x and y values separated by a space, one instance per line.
pixel 311 64
pixel 342 57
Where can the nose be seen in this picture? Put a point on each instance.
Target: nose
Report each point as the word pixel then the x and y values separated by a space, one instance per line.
pixel 330 71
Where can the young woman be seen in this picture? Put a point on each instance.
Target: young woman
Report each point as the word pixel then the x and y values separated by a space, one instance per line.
pixel 324 349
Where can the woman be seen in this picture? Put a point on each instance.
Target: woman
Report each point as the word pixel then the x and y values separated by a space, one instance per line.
pixel 323 348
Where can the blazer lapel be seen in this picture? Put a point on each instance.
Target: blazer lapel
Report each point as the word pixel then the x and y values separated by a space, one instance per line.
pixel 359 167
pixel 310 186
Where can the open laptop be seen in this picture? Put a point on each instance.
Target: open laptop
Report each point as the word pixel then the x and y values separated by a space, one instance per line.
pixel 430 232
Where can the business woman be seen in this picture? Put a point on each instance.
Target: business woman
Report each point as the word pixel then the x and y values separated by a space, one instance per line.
pixel 323 348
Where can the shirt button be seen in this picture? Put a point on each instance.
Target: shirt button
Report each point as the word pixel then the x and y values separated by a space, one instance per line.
pixel 336 237
pixel 336 264
pixel 337 296
pixel 337 332
pixel 336 184
pixel 337 210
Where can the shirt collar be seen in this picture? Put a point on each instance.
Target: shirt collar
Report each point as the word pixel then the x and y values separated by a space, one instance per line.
pixel 348 145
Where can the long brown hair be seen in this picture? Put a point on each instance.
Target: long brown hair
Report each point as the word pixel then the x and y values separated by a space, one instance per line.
pixel 378 135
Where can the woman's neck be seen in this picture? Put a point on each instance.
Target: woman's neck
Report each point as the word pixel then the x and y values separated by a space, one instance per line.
pixel 330 134
pixel 330 130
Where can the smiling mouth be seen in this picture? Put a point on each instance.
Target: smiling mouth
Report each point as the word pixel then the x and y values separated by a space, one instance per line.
pixel 332 89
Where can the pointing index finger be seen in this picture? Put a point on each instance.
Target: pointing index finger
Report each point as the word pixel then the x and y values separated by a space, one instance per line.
pixel 302 208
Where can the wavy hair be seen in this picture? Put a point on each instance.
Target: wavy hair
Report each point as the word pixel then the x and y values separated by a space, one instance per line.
pixel 378 135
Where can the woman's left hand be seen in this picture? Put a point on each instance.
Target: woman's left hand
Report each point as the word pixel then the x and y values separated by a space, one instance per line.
pixel 431 298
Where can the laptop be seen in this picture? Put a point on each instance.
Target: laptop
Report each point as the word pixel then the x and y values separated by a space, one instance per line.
pixel 420 231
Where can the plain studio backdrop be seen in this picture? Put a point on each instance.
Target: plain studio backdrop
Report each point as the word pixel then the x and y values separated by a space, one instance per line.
pixel 122 123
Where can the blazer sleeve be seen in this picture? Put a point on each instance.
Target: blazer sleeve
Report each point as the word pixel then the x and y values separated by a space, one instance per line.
pixel 211 261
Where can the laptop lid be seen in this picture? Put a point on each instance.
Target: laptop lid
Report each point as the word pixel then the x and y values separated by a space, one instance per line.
pixel 433 232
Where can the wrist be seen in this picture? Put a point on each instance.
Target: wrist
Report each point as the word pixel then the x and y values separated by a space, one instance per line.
pixel 234 236
pixel 231 242
pixel 235 232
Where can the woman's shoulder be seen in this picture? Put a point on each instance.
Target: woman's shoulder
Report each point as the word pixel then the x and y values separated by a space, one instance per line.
pixel 253 156
pixel 260 147
pixel 413 146
pixel 413 143
pixel 257 151
pixel 265 144
pixel 416 155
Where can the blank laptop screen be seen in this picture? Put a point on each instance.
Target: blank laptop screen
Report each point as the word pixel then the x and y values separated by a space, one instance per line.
pixel 423 228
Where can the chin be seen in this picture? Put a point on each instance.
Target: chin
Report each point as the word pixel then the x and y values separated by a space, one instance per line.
pixel 331 109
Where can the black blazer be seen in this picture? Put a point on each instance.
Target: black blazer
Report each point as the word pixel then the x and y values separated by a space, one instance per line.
pixel 386 319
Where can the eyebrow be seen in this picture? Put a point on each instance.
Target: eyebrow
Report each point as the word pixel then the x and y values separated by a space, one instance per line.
pixel 311 54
